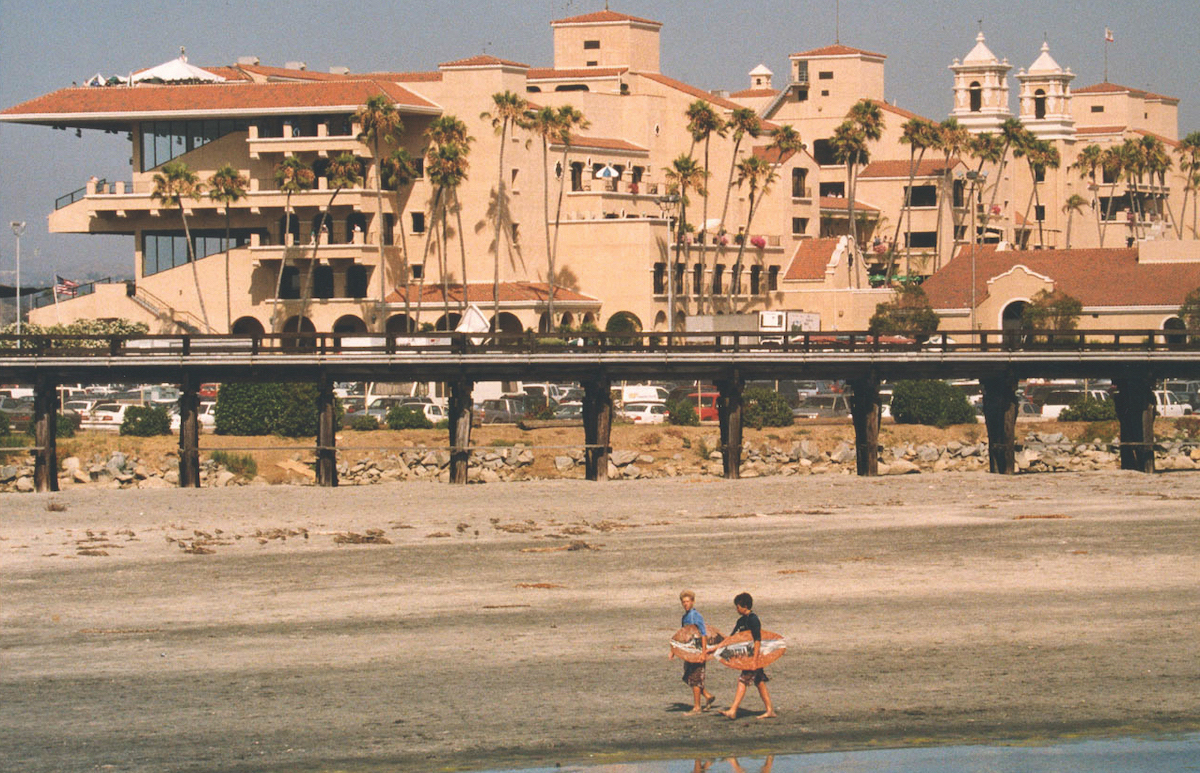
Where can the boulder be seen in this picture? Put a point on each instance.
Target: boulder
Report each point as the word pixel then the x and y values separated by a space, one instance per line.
pixel 24 484
pixel 80 475
pixel 8 473
pixel 929 453
pixel 71 463
pixel 843 454
pixel 153 483
pixel 622 458
pixel 225 478
pixel 902 467
pixel 562 463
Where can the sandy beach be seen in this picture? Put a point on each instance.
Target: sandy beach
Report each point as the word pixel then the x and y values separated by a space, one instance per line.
pixel 416 626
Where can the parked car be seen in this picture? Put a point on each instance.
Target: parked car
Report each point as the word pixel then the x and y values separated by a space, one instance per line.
pixel 82 407
pixel 1187 391
pixel 501 410
pixel 569 411
pixel 19 412
pixel 705 404
pixel 206 416
pixel 645 413
pixel 106 416
pixel 1169 405
pixel 1059 400
pixel 826 406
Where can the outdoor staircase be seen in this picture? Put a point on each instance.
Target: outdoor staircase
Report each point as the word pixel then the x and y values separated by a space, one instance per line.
pixel 163 311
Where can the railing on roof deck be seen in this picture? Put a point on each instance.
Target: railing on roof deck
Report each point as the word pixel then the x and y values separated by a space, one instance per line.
pixel 46 298
pixel 142 347
pixel 68 199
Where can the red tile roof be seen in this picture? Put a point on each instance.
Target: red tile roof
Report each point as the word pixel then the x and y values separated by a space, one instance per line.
pixel 601 143
pixel 483 60
pixel 1159 137
pixel 230 99
pixel 900 168
pixel 549 73
pixel 754 93
pixel 1113 88
pixel 228 73
pixel 481 292
pixel 839 50
pixel 604 16
pixel 699 94
pixel 810 259
pixel 404 77
pixel 1096 277
pixel 899 111
pixel 772 154
pixel 838 202
pixel 291 74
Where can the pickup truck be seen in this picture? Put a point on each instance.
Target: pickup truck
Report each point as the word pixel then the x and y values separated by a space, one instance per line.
pixel 1169 406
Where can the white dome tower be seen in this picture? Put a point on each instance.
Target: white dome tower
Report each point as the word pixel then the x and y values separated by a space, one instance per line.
pixel 760 77
pixel 1046 98
pixel 981 89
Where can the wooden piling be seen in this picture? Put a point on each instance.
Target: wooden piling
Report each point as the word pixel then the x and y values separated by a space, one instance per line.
pixel 1134 400
pixel 460 429
pixel 326 434
pixel 189 431
pixel 729 414
pixel 866 409
pixel 1000 404
pixel 597 426
pixel 45 417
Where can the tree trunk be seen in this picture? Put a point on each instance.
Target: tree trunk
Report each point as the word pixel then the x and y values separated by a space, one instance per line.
pixel 187 233
pixel 546 209
pixel 905 207
pixel 704 224
pixel 500 201
pixel 462 249
pixel 379 224
pixel 306 288
pixel 228 292
pixel 430 236
pixel 276 322
pixel 553 255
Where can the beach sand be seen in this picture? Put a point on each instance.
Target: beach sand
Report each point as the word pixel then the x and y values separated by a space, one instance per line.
pixel 527 623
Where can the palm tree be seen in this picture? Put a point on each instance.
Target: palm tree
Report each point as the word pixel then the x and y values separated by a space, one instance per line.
pixel 341 172
pixel 1112 161
pixel 759 174
pixel 447 164
pixel 172 185
pixel 508 111
pixel 380 124
pixel 850 148
pixel 400 171
pixel 703 122
pixel 918 134
pixel 292 176
pixel 1086 163
pixel 743 122
pixel 986 147
pixel 1040 155
pixel 1158 163
pixel 1134 157
pixel 226 186
pixel 569 120
pixel 953 140
pixel 1075 203
pixel 1189 165
pixel 682 175
pixel 1012 131
pixel 546 123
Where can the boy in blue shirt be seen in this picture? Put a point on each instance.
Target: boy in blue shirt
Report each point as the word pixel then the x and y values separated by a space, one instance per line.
pixel 693 673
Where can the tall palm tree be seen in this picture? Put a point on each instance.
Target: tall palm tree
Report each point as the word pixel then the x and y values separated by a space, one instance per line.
pixel 172 185
pixel 1086 164
pixel 569 120
pixel 986 147
pixel 1134 157
pixel 508 111
pixel 341 172
pixel 1112 161
pixel 1158 163
pixel 703 123
pixel 292 176
pixel 1189 165
pixel 1040 155
pixel 1012 132
pixel 953 140
pixel 399 172
pixel 849 145
pixel 546 124
pixel 745 122
pixel 447 163
pixel 1075 203
pixel 380 123
pixel 919 134
pixel 682 175
pixel 759 174
pixel 226 186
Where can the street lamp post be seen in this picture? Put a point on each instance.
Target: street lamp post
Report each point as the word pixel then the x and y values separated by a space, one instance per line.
pixel 667 204
pixel 978 178
pixel 18 228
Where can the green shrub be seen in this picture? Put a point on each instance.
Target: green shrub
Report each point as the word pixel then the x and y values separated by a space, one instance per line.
pixel 364 422
pixel 239 464
pixel 289 410
pixel 407 417
pixel 930 402
pixel 1090 409
pixel 5 425
pixel 65 427
pixel 146 421
pixel 682 413
pixel 764 407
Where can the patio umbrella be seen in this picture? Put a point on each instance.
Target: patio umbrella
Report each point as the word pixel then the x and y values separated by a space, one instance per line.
pixel 607 172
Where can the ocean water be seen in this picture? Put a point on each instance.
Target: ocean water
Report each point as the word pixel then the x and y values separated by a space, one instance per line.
pixel 1121 755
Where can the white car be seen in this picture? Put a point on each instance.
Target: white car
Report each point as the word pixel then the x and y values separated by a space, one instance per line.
pixel 645 413
pixel 105 416
pixel 1169 405
pixel 206 417
pixel 1060 400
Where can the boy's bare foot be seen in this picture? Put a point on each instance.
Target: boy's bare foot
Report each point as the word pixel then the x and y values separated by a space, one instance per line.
pixel 711 700
pixel 693 712
pixel 767 715
pixel 728 714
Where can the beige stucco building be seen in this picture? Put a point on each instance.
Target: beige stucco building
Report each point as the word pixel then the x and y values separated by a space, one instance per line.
pixel 344 260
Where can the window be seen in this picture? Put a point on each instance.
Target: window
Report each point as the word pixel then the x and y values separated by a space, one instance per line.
pixel 419 167
pixel 718 275
pixel 1110 177
pixel 799 184
pixel 660 278
pixel 1039 104
pixel 516 233
pixel 802 72
pixel 824 92
pixel 773 278
pixel 418 222
pixel 755 280
pixel 833 189
pixel 389 228
pixel 512 182
pixel 1039 212
pixel 356 281
pixel 289 285
pixel 922 240
pixel 591 63
pixel 799 226
pixel 698 278
pixel 960 193
pixel 922 195
pixel 591 45
pixel 1039 174
pixel 976 93
pixel 1097 108
pixel 825 75
pixel 162 250
pixel 166 140
pixel 823 152
pixel 801 95
pixel 322 279
pixel 418 272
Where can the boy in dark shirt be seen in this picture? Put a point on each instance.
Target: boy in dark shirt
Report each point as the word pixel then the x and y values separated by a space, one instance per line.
pixel 748 621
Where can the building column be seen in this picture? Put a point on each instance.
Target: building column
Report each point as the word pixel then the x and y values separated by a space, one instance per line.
pixel 460 429
pixel 597 426
pixel 729 415
pixel 866 409
pixel 189 432
pixel 45 417
pixel 1134 400
pixel 326 434
pixel 1000 403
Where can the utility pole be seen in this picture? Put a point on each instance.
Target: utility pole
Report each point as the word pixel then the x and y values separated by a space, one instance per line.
pixel 18 228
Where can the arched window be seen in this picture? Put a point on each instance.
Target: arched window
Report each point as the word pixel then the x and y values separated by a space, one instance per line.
pixel 1039 104
pixel 976 92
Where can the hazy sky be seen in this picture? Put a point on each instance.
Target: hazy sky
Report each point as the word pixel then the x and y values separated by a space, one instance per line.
pixel 47 44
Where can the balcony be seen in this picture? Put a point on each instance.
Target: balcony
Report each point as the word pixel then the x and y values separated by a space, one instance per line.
pixel 322 143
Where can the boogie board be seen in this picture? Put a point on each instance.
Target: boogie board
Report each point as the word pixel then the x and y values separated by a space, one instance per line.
pixel 686 643
pixel 737 651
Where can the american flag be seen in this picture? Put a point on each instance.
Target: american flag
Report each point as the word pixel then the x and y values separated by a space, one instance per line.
pixel 64 286
pixel 1108 35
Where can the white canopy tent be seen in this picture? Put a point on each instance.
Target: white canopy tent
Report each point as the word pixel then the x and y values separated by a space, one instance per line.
pixel 177 70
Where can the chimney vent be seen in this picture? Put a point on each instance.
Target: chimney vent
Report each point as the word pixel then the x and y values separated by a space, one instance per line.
pixel 247 60
pixel 339 70
pixel 295 66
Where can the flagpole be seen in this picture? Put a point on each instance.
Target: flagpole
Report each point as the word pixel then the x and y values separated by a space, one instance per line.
pixel 54 292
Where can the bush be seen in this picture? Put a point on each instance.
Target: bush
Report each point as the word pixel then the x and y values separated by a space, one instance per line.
pixel 364 423
pixel 1090 409
pixel 289 410
pixel 95 327
pixel 682 413
pixel 407 417
pixel 239 464
pixel 930 402
pixel 765 408
pixel 65 427
pixel 146 421
pixel 5 425
pixel 909 313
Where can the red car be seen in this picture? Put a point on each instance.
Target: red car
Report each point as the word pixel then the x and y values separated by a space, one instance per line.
pixel 208 391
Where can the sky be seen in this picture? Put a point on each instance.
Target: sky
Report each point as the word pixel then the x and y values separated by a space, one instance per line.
pixel 47 44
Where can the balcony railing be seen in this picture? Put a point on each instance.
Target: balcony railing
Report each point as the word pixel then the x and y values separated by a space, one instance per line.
pixel 46 298
pixel 68 199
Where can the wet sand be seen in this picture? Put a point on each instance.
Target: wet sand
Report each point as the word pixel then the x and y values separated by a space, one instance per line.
pixel 457 631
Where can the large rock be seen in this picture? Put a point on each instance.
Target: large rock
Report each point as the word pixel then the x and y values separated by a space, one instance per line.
pixel 8 473
pixel 71 463
pixel 24 484
pixel 225 478
pixel 843 454
pixel 563 463
pixel 929 453
pixel 622 458
pixel 902 467
pixel 80 475
pixel 149 483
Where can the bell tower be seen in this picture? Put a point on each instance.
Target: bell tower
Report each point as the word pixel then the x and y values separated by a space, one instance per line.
pixel 981 89
pixel 1046 98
